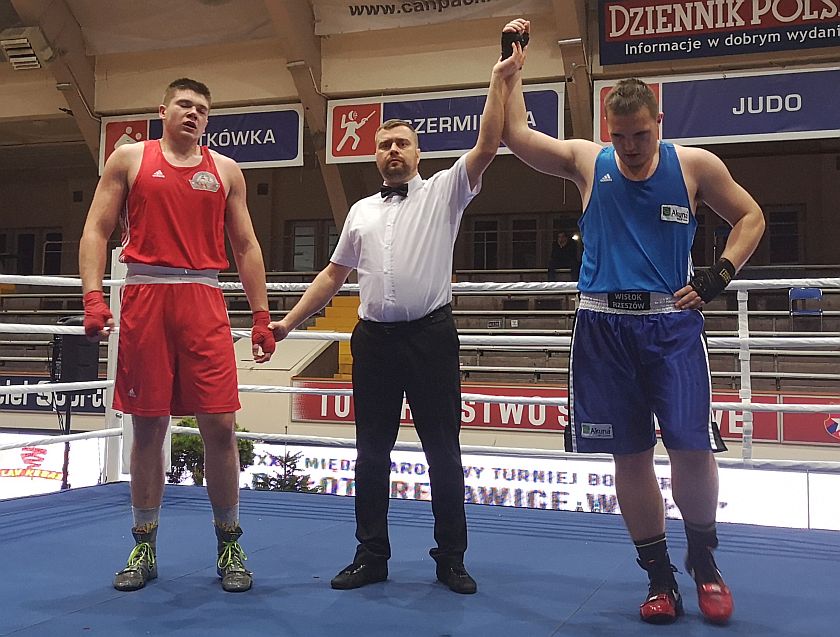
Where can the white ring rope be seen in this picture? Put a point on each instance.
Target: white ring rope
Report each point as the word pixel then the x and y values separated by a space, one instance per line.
pixel 25 328
pixel 57 281
pixel 51 388
pixel 401 445
pixel 742 343
pixel 52 440
pixel 715 342
pixel 45 388
pixel 520 286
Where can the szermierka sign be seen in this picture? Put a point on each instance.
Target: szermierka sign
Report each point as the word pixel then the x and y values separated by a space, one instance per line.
pixel 633 31
pixel 446 122
pixel 347 16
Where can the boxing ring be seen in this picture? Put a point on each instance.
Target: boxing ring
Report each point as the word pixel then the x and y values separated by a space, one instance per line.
pixel 540 571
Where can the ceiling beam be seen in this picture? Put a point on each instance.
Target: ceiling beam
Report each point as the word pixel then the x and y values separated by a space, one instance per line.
pixel 294 24
pixel 570 21
pixel 73 70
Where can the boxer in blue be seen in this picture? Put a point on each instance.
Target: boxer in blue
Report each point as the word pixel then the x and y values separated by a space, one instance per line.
pixel 638 347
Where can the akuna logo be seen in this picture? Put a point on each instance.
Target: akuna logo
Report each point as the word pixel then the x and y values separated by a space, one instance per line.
pixel 599 431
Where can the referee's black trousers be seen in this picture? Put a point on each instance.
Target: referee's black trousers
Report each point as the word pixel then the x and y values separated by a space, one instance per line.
pixel 419 358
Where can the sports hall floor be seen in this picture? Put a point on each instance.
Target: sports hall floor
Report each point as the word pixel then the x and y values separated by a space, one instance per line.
pixel 540 573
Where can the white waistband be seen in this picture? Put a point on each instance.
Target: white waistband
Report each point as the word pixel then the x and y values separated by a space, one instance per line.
pixel 628 303
pixel 141 273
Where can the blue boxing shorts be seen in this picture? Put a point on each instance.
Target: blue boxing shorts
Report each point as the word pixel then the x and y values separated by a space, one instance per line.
pixel 635 356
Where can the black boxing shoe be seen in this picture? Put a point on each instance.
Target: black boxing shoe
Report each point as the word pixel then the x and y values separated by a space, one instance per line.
pixel 455 576
pixel 358 574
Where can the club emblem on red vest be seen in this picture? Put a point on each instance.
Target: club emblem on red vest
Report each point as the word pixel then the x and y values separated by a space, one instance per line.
pixel 204 180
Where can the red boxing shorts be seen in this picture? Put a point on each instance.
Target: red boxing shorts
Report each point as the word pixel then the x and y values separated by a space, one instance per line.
pixel 176 352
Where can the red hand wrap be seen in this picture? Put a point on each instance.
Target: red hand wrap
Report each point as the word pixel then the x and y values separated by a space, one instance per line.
pixel 97 312
pixel 260 334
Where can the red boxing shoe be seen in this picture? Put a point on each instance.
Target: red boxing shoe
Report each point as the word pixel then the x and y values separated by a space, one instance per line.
pixel 713 595
pixel 715 601
pixel 661 606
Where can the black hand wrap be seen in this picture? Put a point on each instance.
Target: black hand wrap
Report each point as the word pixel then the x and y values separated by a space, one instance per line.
pixel 509 37
pixel 709 283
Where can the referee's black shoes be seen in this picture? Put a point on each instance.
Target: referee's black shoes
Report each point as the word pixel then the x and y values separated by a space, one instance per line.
pixel 455 576
pixel 358 574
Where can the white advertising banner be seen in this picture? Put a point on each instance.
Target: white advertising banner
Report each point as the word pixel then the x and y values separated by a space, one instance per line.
pixel 748 496
pixel 346 16
pixel 37 469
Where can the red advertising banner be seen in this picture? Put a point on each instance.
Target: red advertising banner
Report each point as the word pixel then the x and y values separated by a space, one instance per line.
pixel 811 428
pixel 766 426
pixel 473 414
pixel 509 416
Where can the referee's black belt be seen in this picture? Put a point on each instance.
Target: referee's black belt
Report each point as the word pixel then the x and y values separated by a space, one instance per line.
pixel 435 316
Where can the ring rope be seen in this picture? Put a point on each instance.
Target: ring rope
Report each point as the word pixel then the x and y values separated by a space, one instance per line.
pixel 52 440
pixel 714 342
pixel 466 286
pixel 45 388
pixel 401 445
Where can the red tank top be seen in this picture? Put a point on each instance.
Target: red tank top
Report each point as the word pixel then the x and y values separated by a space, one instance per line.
pixel 175 216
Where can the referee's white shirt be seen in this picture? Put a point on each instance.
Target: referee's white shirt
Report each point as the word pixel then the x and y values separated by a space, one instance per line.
pixel 402 247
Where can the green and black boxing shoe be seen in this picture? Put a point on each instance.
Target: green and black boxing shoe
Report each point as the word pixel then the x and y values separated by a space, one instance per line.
pixel 231 563
pixel 142 563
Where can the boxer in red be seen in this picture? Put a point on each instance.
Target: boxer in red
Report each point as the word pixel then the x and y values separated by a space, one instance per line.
pixel 175 200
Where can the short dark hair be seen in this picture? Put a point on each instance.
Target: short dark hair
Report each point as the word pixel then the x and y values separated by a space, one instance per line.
pixel 186 84
pixel 629 96
pixel 395 123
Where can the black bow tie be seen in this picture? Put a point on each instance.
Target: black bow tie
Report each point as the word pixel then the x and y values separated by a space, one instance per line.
pixel 400 191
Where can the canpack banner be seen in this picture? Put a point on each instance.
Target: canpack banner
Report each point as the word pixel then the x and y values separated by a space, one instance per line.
pixel 633 31
pixel 254 137
pixel 446 122
pixel 346 16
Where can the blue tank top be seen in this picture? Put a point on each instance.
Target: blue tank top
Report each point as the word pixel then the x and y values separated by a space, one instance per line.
pixel 637 235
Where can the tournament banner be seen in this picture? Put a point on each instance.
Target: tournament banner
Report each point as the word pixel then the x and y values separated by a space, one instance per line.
pixel 741 107
pixel 751 496
pixel 634 31
pixel 254 137
pixel 446 123
pixel 346 16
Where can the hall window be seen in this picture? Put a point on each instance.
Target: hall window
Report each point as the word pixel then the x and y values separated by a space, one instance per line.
pixel 783 235
pixel 312 243
pixel 524 243
pixel 332 241
pixel 52 252
pixel 6 258
pixel 303 246
pixel 25 253
pixel 485 244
